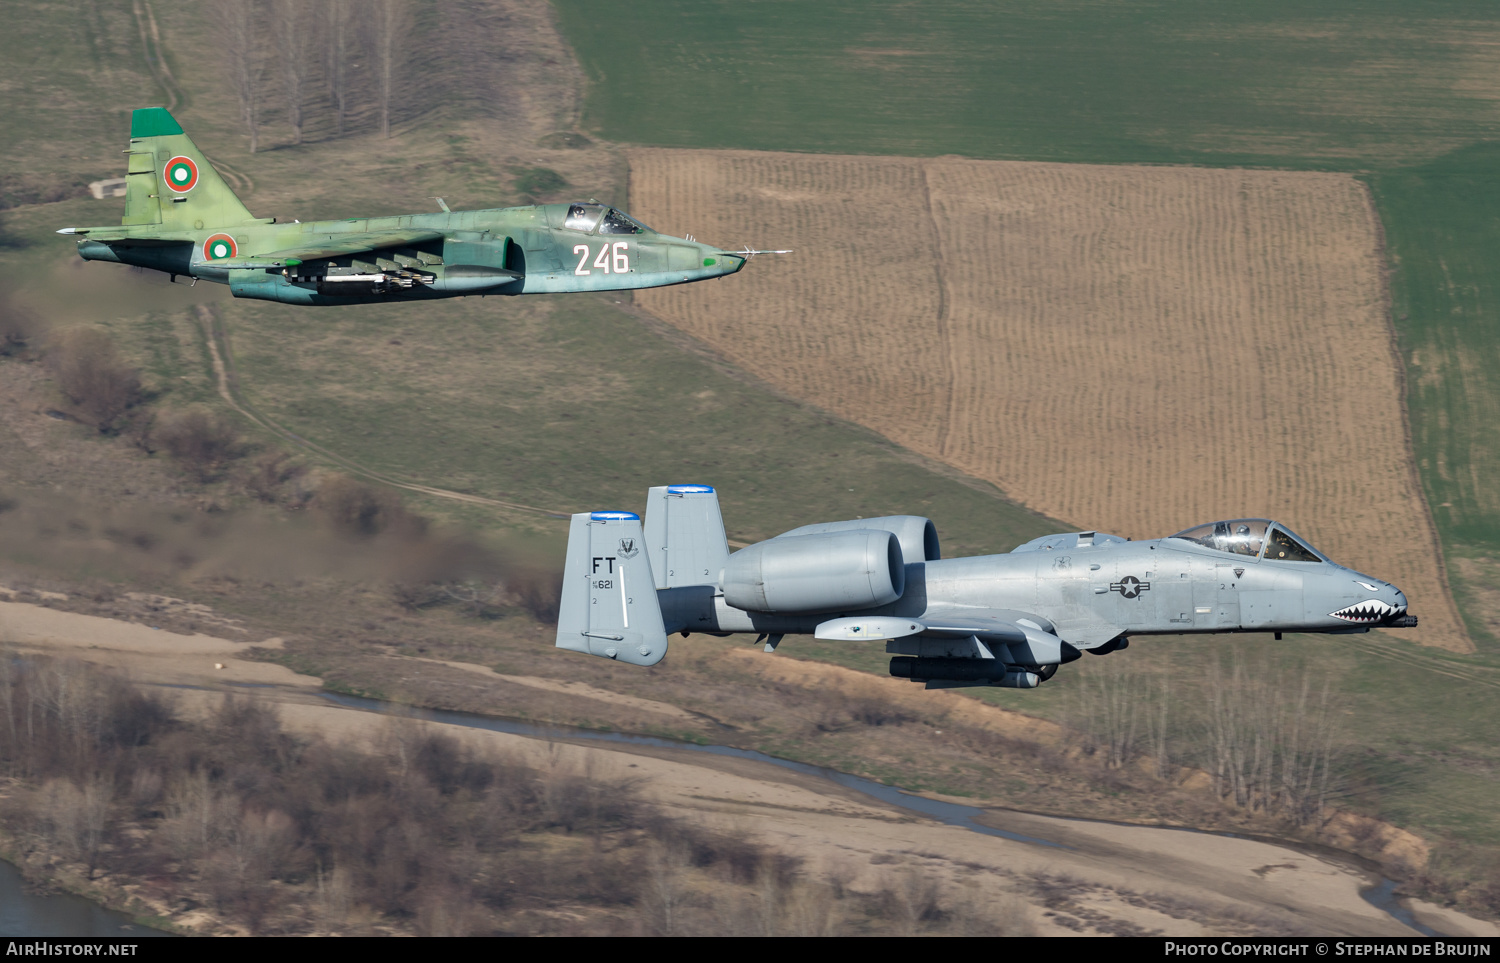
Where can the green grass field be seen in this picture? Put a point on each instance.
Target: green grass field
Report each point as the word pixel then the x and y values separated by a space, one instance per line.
pixel 571 404
pixel 1347 84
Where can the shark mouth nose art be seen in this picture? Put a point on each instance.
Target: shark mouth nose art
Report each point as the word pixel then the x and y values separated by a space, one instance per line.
pixel 1370 610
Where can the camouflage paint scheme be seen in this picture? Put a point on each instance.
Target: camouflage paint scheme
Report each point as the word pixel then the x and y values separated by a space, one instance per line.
pixel 998 620
pixel 182 219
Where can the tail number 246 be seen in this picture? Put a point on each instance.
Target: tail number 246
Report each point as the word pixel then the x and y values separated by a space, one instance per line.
pixel 619 263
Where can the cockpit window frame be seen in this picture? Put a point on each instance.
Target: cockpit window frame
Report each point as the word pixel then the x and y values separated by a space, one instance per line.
pixel 1265 526
pixel 1299 540
pixel 568 225
pixel 639 227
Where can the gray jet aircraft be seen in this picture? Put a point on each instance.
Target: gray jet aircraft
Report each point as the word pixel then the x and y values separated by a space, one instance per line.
pixel 991 620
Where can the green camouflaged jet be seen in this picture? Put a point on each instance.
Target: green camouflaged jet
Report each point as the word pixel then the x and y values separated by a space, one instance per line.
pixel 182 219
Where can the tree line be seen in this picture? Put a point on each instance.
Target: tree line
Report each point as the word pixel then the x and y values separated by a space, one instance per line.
pixel 1266 732
pixel 339 59
pixel 275 832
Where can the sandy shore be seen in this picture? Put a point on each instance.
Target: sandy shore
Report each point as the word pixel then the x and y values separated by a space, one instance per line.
pixel 1101 878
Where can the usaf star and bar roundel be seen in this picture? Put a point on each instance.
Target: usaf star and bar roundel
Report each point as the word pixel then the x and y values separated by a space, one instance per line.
pixel 181 173
pixel 219 247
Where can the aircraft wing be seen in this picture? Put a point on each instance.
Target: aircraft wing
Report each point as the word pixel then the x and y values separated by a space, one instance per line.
pixel 1026 638
pixel 333 245
pixel 1002 627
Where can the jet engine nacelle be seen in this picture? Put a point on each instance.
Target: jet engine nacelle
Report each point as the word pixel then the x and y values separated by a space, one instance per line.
pixel 918 536
pixel 827 572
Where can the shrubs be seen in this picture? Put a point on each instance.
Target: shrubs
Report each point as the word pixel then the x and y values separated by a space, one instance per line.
pixel 93 377
pixel 423 833
pixel 19 329
pixel 204 443
pixel 276 477
pixel 354 508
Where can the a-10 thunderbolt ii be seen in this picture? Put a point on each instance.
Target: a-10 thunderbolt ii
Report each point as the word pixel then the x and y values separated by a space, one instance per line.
pixel 991 620
pixel 182 219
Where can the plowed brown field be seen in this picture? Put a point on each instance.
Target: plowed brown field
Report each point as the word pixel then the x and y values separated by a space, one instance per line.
pixel 1134 349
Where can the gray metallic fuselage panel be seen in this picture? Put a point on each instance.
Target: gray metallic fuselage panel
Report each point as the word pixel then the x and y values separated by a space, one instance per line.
pixel 1092 594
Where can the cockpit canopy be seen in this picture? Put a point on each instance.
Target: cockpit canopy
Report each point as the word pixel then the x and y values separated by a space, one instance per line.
pixel 1253 537
pixel 586 217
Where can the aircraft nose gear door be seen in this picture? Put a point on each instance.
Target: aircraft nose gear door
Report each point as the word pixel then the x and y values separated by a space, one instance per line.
pixel 1216 595
pixel 1227 607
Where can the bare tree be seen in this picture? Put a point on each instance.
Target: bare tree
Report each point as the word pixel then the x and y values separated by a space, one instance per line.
pixel 244 59
pixel 335 57
pixel 292 23
pixel 1159 727
pixel 1272 736
pixel 665 888
pixel 1107 708
pixel 388 23
pixel 78 817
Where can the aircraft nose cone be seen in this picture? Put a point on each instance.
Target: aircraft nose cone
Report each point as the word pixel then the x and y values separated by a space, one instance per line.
pixel 722 261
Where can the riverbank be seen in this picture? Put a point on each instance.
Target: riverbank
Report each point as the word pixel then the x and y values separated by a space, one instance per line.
pixel 1111 878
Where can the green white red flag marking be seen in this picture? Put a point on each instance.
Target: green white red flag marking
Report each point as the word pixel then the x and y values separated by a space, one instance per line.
pixel 218 247
pixel 182 174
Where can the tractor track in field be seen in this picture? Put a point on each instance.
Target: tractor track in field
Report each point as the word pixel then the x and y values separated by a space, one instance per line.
pixel 1421 660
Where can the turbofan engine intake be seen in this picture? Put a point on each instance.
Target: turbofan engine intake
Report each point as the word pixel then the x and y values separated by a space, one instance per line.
pixel 831 572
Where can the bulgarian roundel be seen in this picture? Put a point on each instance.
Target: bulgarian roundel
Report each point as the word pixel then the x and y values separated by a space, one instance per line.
pixel 182 174
pixel 218 247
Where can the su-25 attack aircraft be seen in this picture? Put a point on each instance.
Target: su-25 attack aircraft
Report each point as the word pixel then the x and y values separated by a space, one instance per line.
pixel 182 219
pixel 992 620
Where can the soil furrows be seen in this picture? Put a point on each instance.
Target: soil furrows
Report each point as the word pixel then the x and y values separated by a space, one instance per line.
pixel 868 257
pixel 1136 349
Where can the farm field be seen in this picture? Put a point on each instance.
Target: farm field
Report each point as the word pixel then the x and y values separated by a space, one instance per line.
pixel 1353 84
pixel 1133 349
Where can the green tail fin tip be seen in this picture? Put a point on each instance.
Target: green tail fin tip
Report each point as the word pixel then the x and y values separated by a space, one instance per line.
pixel 153 122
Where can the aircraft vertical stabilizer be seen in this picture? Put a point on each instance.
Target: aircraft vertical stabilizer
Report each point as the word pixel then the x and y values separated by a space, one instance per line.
pixel 685 535
pixel 169 181
pixel 609 606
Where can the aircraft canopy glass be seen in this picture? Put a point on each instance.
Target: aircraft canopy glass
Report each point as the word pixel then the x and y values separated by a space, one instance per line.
pixel 586 217
pixel 583 217
pixel 1247 536
pixel 617 223
pixel 1285 546
pixel 1238 536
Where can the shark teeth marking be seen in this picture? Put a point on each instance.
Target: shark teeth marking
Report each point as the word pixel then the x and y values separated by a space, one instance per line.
pixel 1370 610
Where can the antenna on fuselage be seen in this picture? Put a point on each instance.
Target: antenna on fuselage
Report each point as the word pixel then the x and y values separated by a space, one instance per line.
pixel 443 204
